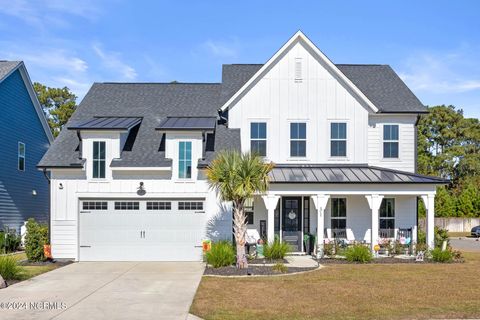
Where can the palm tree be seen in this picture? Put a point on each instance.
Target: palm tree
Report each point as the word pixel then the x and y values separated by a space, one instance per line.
pixel 237 177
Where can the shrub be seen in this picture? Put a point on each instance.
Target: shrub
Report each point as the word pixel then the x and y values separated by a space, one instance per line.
pixel 328 249
pixel 421 237
pixel 276 250
pixel 36 237
pixel 222 254
pixel 9 241
pixel 358 253
pixel 9 268
pixel 440 236
pixel 441 256
pixel 280 267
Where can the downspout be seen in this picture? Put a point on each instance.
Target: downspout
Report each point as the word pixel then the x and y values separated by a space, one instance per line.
pixel 79 145
pixel 50 209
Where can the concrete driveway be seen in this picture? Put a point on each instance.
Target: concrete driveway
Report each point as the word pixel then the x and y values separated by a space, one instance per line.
pixel 105 290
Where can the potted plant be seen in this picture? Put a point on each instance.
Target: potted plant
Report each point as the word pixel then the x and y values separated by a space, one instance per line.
pixel 385 245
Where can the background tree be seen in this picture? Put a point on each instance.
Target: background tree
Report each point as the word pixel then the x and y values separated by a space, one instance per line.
pixel 58 105
pixel 449 146
pixel 237 177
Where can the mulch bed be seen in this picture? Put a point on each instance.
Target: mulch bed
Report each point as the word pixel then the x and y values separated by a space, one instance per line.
pixel 58 263
pixel 251 271
pixel 262 261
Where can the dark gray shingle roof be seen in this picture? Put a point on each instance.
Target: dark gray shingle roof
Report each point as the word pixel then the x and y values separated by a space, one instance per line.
pixel 188 123
pixel 7 66
pixel 152 101
pixel 383 87
pixel 345 174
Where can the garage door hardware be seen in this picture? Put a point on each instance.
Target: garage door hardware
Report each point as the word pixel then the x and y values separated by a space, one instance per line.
pixel 142 234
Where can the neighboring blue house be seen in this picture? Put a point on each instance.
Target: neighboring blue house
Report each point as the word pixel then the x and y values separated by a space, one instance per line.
pixel 24 190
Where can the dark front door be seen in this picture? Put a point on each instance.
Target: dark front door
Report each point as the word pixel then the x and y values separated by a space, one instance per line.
pixel 291 222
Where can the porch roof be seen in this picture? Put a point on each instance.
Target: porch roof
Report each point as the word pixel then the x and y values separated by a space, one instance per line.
pixel 290 173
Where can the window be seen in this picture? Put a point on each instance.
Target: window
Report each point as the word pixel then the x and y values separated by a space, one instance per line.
pixel 298 139
pixel 159 205
pixel 339 213
pixel 338 139
pixel 387 214
pixel 99 159
pixel 185 159
pixel 258 138
pixel 95 205
pixel 21 156
pixel 248 207
pixel 127 205
pixel 390 141
pixel 190 205
pixel 306 215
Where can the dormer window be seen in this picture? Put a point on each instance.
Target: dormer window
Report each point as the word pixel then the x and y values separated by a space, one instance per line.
pixel 185 159
pixel 99 149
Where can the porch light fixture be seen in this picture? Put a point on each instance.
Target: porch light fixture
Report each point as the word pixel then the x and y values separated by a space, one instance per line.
pixel 60 186
pixel 141 189
pixel 34 192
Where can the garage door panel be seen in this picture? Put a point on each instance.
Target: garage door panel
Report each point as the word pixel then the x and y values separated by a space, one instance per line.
pixel 141 235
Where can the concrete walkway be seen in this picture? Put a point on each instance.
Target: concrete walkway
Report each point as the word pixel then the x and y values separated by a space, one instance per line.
pixel 301 261
pixel 105 290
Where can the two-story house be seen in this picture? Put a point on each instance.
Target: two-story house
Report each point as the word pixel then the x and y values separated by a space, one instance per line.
pixel 26 136
pixel 128 173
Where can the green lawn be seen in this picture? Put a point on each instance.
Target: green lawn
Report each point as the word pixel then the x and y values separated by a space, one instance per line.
pixel 28 272
pixel 395 291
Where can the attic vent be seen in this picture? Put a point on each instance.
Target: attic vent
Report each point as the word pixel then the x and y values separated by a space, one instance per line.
pixel 298 69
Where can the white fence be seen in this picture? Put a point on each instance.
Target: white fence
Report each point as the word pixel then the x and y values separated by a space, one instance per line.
pixel 453 224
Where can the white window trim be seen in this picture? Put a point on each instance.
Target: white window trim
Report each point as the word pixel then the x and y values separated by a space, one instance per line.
pixel 345 157
pixel 266 135
pixel 178 178
pixel 93 143
pixel 24 157
pixel 290 157
pixel 397 159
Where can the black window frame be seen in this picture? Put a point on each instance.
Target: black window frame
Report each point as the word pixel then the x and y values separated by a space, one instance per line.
pixel 159 205
pixel 127 205
pixel 94 205
pixel 387 214
pixel 190 205
pixel 338 219
pixel 21 157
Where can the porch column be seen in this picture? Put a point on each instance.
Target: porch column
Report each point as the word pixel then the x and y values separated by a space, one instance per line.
pixel 271 202
pixel 374 202
pixel 429 201
pixel 320 201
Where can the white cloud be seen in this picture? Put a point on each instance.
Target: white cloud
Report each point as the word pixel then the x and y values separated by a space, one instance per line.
pixel 112 61
pixel 222 48
pixel 439 73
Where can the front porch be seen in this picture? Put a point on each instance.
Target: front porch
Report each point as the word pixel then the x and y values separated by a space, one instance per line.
pixel 351 218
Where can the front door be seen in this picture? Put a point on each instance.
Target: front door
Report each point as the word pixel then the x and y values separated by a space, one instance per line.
pixel 291 222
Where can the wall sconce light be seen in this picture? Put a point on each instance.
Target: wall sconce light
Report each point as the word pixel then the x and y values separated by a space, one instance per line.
pixel 34 192
pixel 60 186
pixel 141 189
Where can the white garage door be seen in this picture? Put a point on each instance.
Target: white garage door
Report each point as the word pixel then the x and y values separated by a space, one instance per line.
pixel 147 230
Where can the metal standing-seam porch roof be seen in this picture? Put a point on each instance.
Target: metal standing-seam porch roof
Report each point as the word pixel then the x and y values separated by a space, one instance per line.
pixel 106 123
pixel 188 123
pixel 346 174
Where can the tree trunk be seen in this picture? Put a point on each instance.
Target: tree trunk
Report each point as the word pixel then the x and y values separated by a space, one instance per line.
pixel 240 229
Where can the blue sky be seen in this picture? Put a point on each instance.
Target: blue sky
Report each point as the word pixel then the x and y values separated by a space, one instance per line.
pixel 433 45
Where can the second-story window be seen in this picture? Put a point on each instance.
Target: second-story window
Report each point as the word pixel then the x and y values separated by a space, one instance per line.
pixel 21 156
pixel 338 139
pixel 298 139
pixel 99 159
pixel 258 138
pixel 390 141
pixel 185 159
